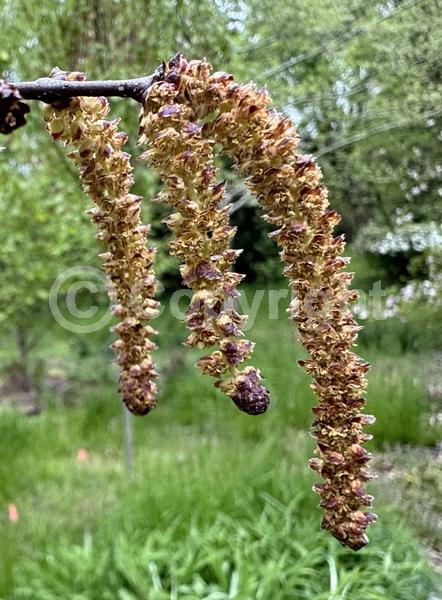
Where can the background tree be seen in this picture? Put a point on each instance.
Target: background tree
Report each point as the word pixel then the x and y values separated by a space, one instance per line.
pixel 362 81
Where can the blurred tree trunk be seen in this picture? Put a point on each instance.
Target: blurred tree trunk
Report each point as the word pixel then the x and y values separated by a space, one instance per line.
pixel 128 435
pixel 26 383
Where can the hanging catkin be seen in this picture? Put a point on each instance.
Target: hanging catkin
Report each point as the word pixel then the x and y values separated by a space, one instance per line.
pixel 184 159
pixel 106 174
pixel 288 186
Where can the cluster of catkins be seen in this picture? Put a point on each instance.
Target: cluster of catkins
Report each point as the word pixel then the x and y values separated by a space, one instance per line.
pixel 188 113
pixel 106 174
pixel 184 115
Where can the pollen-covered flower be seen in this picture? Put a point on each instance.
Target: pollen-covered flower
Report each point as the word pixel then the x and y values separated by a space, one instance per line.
pixel 12 108
pixel 184 159
pixel 288 186
pixel 106 174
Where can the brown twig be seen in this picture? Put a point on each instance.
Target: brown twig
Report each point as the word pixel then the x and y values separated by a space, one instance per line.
pixel 52 90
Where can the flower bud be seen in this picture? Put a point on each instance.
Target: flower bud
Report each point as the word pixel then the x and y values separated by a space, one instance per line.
pixel 12 108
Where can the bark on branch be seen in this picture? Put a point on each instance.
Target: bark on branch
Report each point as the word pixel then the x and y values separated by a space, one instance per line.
pixel 52 90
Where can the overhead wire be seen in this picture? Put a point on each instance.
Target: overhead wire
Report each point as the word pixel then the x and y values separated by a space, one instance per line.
pixel 404 124
pixel 354 90
pixel 336 42
pixel 273 39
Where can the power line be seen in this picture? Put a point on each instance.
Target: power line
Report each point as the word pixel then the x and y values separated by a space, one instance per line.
pixel 340 40
pixel 315 98
pixel 264 44
pixel 270 41
pixel 352 91
pixel 405 124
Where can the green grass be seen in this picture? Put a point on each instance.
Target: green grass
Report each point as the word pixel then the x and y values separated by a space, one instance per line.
pixel 209 510
pixel 219 504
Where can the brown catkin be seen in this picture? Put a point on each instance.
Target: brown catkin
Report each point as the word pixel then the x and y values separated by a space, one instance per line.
pixel 106 174
pixel 183 158
pixel 288 186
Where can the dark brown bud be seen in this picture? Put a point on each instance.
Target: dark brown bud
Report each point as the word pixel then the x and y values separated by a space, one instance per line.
pixel 248 395
pixel 12 108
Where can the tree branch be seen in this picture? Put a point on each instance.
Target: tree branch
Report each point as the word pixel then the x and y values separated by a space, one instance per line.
pixel 52 90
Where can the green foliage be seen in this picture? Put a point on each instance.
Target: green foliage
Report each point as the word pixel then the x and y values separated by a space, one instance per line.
pixel 414 482
pixel 417 328
pixel 46 232
pixel 398 397
pixel 361 80
pixel 408 317
pixel 185 528
pixel 259 260
pixel 219 503
pixel 263 554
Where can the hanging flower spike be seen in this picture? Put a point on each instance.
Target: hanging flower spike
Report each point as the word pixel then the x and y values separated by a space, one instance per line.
pixel 288 186
pixel 12 108
pixel 106 174
pixel 184 159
